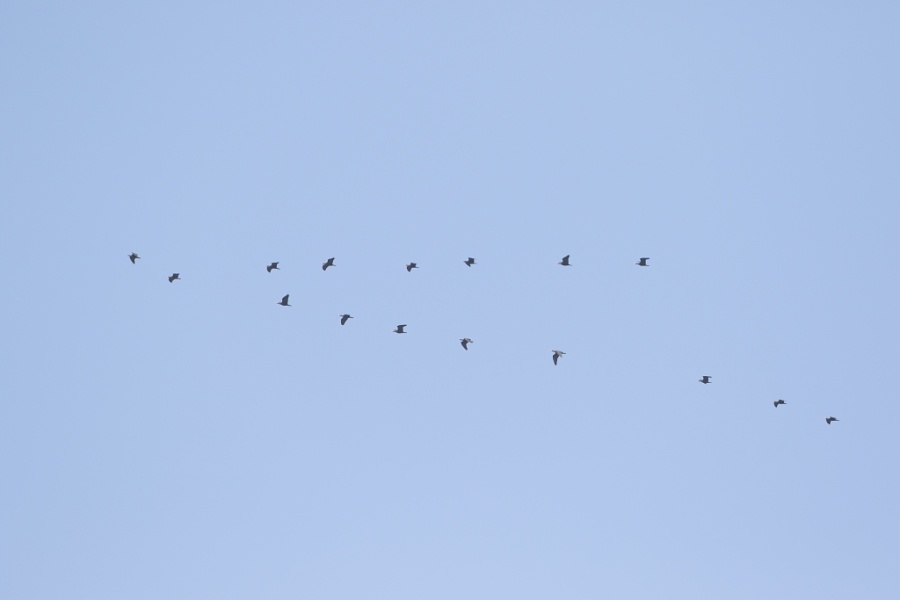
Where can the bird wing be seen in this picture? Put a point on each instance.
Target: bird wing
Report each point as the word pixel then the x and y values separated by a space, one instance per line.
pixel 285 299
pixel 555 358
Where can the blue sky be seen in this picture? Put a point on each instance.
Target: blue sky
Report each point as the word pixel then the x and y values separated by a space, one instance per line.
pixel 194 440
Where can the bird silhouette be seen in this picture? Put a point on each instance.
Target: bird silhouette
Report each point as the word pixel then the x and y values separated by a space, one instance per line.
pixel 133 257
pixel 274 265
pixel 642 262
pixel 565 261
pixel 284 301
pixel 465 343
pixel 779 401
pixel 344 319
pixel 173 277
pixel 706 379
pixel 470 261
pixel 400 329
pixel 410 267
pixel 556 355
pixel 830 419
pixel 328 263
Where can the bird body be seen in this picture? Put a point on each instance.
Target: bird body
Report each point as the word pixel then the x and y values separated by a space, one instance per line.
pixel 469 261
pixel 410 267
pixel 565 261
pixel 643 262
pixel 779 401
pixel 344 318
pixel 400 329
pixel 465 343
pixel 705 379
pixel 556 355
pixel 829 420
pixel 133 257
pixel 173 277
pixel 284 300
pixel 274 265
pixel 328 263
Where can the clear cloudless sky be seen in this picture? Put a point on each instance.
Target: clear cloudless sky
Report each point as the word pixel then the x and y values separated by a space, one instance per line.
pixel 193 440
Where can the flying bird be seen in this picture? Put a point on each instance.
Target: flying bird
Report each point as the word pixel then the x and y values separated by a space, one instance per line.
pixel 705 379
pixel 410 267
pixel 779 401
pixel 173 277
pixel 565 261
pixel 400 329
pixel 830 419
pixel 465 343
pixel 284 301
pixel 642 262
pixel 274 265
pixel 470 261
pixel 328 263
pixel 556 355
pixel 133 257
pixel 344 319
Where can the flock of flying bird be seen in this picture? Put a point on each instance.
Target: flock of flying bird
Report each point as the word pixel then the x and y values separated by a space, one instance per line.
pixel 642 262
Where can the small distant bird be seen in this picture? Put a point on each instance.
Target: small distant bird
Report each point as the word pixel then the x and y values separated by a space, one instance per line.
pixel 830 419
pixel 565 261
pixel 470 261
pixel 705 379
pixel 328 263
pixel 410 267
pixel 284 301
pixel 556 355
pixel 400 329
pixel 642 262
pixel 344 319
pixel 274 265
pixel 779 401
pixel 173 277
pixel 133 257
pixel 465 343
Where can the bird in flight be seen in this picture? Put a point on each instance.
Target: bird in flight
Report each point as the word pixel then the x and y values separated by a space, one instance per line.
pixel 469 261
pixel 779 401
pixel 410 267
pixel 465 343
pixel 274 265
pixel 344 319
pixel 173 277
pixel 284 301
pixel 643 262
pixel 133 257
pixel 706 379
pixel 565 261
pixel 830 419
pixel 400 329
pixel 328 263
pixel 556 355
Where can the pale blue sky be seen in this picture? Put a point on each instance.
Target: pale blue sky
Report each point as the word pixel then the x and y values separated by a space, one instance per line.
pixel 194 440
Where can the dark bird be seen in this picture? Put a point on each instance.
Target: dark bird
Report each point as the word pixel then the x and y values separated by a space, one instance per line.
pixel 565 261
pixel 830 419
pixel 470 261
pixel 410 267
pixel 556 355
pixel 133 257
pixel 274 265
pixel 643 262
pixel 779 401
pixel 705 379
pixel 328 263
pixel 284 301
pixel 400 329
pixel 344 319
pixel 465 343
pixel 173 277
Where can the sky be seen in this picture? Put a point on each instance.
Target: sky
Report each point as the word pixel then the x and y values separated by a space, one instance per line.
pixel 195 440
